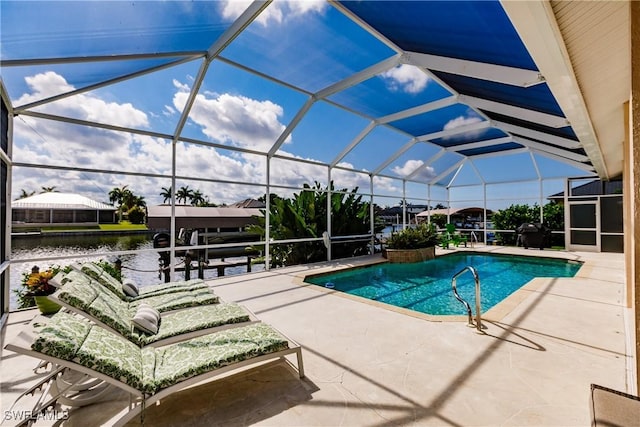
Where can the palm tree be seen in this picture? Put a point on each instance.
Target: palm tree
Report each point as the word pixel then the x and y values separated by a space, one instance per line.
pixel 25 194
pixel 166 193
pixel 197 198
pixel 118 196
pixel 48 189
pixel 184 194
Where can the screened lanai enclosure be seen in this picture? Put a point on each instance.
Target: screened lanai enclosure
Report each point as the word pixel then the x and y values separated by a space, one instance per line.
pixel 458 104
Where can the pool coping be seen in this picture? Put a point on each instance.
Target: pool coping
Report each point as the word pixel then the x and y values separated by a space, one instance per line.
pixel 495 314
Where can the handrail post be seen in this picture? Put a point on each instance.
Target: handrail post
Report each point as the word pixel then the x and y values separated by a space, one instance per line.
pixel 466 304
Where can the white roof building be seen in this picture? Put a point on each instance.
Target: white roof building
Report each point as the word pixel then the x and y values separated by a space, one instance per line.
pixel 55 200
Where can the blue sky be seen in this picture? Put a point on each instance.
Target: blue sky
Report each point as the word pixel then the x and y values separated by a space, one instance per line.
pixel 307 44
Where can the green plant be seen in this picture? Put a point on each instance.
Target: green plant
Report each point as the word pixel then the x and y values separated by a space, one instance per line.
pixel 305 215
pixel 111 269
pixel 35 283
pixel 422 236
pixel 136 215
pixel 513 216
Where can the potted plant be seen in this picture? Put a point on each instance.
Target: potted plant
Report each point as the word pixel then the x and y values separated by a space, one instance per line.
pixel 35 288
pixel 412 244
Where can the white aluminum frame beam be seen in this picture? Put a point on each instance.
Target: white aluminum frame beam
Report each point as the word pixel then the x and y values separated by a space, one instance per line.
pixel 480 144
pixel 517 112
pixel 479 70
pixel 536 25
pixel 421 109
pixel 551 150
pixel 426 164
pixel 540 136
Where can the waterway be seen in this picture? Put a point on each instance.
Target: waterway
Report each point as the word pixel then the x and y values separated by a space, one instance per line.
pixel 141 267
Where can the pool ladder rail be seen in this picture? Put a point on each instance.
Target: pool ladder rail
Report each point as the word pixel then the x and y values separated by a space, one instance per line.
pixel 478 322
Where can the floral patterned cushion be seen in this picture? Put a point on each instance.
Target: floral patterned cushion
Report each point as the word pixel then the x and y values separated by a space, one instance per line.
pixel 113 313
pixel 152 369
pixel 62 336
pixel 112 355
pixel 193 319
pixel 77 295
pixel 177 300
pixel 187 359
pixel 96 272
pixel 105 279
pixel 171 287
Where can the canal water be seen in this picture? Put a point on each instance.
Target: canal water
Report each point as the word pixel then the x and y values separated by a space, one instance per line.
pixel 141 267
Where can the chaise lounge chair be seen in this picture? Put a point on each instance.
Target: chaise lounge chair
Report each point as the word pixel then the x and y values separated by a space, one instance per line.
pixel 128 291
pixel 162 302
pixel 147 374
pixel 131 320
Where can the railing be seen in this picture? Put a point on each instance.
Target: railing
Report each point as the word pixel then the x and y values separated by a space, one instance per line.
pixel 478 323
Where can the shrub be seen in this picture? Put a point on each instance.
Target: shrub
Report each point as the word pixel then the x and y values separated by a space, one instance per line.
pixel 136 215
pixel 423 236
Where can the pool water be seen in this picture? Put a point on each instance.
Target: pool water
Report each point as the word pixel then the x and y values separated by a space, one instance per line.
pixel 426 286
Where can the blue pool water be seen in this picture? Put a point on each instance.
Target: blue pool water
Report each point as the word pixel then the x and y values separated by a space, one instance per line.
pixel 426 286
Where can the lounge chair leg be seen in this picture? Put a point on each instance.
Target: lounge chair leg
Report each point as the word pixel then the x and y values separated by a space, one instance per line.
pixel 300 363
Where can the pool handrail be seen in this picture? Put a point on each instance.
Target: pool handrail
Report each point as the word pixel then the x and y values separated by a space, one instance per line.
pixel 478 323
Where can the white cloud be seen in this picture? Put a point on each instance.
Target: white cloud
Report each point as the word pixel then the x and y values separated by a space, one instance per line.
pixel 406 78
pixel 235 119
pixel 182 87
pixel 461 121
pixel 277 12
pixel 411 166
pixel 408 167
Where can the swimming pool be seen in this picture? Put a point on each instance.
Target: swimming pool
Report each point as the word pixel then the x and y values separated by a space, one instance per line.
pixel 426 286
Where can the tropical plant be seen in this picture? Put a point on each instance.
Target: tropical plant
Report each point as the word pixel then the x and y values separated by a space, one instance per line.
pixel 513 216
pixel 166 193
pixel 183 194
pixel 197 198
pixel 439 219
pixel 35 283
pixel 422 236
pixel 118 196
pixel 24 194
pixel 305 215
pixel 136 215
pixel 49 189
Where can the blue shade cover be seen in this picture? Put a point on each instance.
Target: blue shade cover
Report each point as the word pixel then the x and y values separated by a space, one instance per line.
pixel 437 120
pixel 380 95
pixel 472 30
pixel 536 98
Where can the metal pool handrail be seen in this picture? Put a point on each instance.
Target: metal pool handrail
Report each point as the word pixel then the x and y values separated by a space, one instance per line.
pixel 473 271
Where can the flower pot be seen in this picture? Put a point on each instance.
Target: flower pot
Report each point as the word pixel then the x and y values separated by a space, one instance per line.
pixel 46 306
pixel 410 255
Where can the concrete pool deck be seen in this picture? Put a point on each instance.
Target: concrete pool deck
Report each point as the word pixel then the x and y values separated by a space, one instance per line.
pixel 367 365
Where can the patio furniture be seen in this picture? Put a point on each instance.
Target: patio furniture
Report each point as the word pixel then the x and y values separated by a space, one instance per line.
pixel 532 234
pixel 610 407
pixel 452 236
pixel 141 323
pixel 72 344
pixel 128 291
pixel 178 299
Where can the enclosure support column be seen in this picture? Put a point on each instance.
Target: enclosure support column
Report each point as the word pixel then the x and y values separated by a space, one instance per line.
pixel 267 218
pixel 632 186
pixel 329 227
pixel 404 204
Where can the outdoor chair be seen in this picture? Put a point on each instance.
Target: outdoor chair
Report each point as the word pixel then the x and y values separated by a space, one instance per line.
pixel 451 236
pixel 94 355
pixel 140 323
pixel 177 299
pixel 128 291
